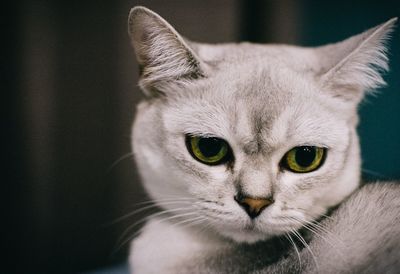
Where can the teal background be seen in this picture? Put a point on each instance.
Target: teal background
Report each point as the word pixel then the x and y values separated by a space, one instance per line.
pixel 379 129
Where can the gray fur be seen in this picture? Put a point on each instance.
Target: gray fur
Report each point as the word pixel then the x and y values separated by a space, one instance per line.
pixel 263 100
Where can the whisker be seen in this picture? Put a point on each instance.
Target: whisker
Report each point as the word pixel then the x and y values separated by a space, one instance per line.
pixel 162 220
pixel 190 222
pixel 287 235
pixel 158 204
pixel 130 227
pixel 301 239
pixel 327 217
pixel 127 240
pixel 304 211
pixel 177 216
pixel 318 233
pixel 213 210
pixel 373 173
pixel 216 216
pixel 207 225
pixel 116 162
pixel 164 200
pixel 320 228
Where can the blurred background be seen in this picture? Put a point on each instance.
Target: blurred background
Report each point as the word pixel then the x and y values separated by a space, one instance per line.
pixel 69 83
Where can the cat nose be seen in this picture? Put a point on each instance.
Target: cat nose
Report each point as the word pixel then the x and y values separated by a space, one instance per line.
pixel 253 206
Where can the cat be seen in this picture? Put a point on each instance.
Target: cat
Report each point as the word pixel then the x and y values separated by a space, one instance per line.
pixel 252 153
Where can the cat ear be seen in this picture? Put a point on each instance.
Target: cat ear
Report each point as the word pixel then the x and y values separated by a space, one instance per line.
pixel 163 55
pixel 354 66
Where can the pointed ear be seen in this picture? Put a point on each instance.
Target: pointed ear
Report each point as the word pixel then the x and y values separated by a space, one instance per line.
pixel 163 55
pixel 354 66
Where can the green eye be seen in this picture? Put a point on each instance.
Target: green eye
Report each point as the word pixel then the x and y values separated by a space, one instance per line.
pixel 208 150
pixel 304 159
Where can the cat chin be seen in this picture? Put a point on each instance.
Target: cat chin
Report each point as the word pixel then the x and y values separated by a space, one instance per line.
pixel 246 237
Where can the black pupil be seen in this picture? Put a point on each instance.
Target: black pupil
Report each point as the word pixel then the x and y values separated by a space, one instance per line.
pixel 210 146
pixel 305 156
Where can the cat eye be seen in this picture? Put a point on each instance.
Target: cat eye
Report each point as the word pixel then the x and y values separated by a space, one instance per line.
pixel 209 150
pixel 304 159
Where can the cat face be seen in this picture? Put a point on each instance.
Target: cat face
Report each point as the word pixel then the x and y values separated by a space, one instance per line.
pixel 249 141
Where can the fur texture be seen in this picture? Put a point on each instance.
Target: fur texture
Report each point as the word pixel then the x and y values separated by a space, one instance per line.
pixel 263 100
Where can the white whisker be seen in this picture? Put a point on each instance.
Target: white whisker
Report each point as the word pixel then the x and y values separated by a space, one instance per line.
pixel 287 235
pixel 177 216
pixel 166 200
pixel 301 239
pixel 320 228
pixel 161 220
pixel 309 226
pixel 116 162
pixel 158 204
pixel 190 222
pixel 129 228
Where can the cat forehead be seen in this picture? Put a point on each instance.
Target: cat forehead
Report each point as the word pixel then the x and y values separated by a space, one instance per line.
pixel 253 114
pixel 252 70
pixel 300 59
pixel 262 85
pixel 254 98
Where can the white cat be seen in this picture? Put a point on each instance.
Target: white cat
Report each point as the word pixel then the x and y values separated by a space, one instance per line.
pixel 245 144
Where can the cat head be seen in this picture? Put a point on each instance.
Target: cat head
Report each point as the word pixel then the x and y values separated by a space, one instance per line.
pixel 250 140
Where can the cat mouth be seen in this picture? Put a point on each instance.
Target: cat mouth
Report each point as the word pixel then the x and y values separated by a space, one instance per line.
pixel 250 227
pixel 265 229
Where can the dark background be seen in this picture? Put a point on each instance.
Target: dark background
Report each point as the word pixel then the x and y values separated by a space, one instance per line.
pixel 69 87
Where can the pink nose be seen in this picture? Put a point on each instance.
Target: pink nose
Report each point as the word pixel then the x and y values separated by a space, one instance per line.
pixel 253 206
